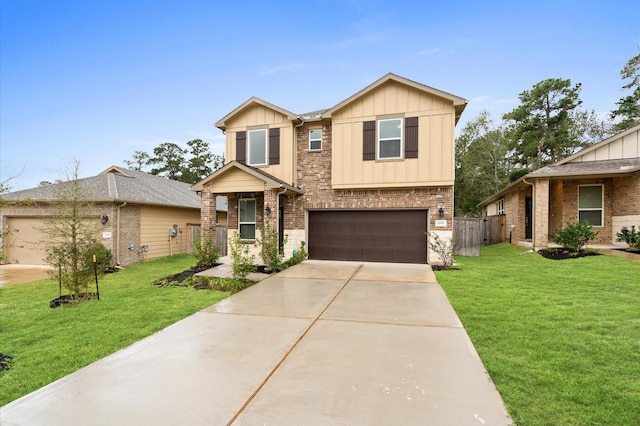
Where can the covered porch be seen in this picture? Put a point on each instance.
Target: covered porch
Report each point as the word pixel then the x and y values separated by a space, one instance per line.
pixel 256 200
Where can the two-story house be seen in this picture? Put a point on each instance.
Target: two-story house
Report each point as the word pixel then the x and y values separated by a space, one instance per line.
pixel 363 180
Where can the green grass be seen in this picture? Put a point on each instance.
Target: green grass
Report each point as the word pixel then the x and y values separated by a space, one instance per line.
pixel 47 344
pixel 560 339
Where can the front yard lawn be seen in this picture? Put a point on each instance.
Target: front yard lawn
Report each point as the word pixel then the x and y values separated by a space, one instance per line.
pixel 560 338
pixel 47 344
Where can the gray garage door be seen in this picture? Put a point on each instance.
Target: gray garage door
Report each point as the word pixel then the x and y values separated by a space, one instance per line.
pixel 370 236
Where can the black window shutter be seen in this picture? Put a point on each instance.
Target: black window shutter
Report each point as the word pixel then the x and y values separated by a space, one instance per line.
pixel 241 147
pixel 274 146
pixel 368 140
pixel 411 137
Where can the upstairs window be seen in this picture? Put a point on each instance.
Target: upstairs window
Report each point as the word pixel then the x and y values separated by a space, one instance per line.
pixel 257 147
pixel 500 206
pixel 247 218
pixel 590 205
pixel 315 140
pixel 390 139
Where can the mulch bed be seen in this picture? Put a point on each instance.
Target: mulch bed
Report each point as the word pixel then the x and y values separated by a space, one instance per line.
pixel 562 254
pixel 181 276
pixel 70 299
pixel 626 250
pixel 5 362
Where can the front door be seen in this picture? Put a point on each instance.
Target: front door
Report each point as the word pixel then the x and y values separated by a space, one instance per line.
pixel 528 218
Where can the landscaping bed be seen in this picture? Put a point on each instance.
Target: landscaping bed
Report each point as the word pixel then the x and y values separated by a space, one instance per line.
pixel 563 254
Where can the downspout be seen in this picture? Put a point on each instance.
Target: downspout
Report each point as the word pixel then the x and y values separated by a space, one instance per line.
pixel 118 233
pixel 533 212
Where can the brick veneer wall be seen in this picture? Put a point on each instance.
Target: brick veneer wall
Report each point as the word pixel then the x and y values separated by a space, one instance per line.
pixel 314 178
pixel 570 210
pixel 626 195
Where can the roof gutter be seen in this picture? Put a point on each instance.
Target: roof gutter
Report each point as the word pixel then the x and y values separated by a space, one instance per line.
pixel 118 233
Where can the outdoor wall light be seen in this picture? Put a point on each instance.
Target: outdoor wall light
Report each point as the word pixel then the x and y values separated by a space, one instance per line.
pixel 440 210
pixel 268 211
pixel 104 219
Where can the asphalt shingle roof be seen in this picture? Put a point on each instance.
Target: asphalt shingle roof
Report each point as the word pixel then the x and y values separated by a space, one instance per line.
pixel 117 184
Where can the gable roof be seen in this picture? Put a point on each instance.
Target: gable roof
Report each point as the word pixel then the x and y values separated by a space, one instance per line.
pixel 117 184
pixel 222 123
pixel 270 181
pixel 458 102
pixel 599 145
pixel 574 166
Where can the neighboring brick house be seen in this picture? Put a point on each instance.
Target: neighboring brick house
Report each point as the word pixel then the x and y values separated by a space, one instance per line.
pixel 360 181
pixel 599 185
pixel 133 211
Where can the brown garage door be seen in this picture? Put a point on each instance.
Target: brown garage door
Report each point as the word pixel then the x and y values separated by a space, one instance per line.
pixel 371 236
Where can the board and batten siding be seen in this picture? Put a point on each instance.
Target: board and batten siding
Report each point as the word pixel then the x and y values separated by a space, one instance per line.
pixel 237 181
pixel 435 163
pixel 260 117
pixel 627 146
pixel 155 223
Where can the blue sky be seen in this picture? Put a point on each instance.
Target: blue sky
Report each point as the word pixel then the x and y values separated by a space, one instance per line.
pixel 97 80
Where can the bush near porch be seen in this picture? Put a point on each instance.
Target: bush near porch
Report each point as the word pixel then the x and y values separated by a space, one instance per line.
pixel 561 340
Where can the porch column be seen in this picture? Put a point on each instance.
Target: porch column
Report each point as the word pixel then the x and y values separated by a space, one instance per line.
pixel 541 213
pixel 208 213
pixel 271 209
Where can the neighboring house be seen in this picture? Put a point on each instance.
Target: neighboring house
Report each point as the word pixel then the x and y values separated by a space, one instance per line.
pixel 599 185
pixel 136 214
pixel 362 180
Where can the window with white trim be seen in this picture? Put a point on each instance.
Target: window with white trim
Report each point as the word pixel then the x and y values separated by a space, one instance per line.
pixel 500 206
pixel 247 218
pixel 389 139
pixel 315 140
pixel 591 204
pixel 257 147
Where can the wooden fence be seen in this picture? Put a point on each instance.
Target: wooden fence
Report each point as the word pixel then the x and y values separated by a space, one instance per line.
pixel 221 239
pixel 470 233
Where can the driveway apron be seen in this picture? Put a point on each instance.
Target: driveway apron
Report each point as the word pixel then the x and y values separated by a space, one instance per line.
pixel 319 343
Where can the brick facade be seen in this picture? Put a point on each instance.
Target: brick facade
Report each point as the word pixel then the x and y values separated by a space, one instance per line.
pixel 314 178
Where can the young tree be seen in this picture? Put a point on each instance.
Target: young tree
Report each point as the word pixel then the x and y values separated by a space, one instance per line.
pixel 71 234
pixel 482 163
pixel 628 110
pixel 541 126
pixel 169 160
pixel 140 159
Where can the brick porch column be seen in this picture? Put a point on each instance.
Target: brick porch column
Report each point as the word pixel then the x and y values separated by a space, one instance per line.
pixel 270 200
pixel 541 213
pixel 208 213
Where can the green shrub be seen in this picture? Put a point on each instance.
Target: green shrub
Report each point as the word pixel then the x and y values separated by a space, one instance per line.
pixel 443 248
pixel 242 261
pixel 206 251
pixel 103 257
pixel 574 236
pixel 298 256
pixel 270 249
pixel 629 236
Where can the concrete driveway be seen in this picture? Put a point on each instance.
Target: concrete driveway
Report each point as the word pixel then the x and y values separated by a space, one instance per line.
pixel 17 273
pixel 320 343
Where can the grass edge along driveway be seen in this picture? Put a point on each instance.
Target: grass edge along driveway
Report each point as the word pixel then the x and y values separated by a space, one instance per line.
pixel 560 339
pixel 47 344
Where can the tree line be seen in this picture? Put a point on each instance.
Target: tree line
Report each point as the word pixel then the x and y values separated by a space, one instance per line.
pixel 169 160
pixel 548 125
